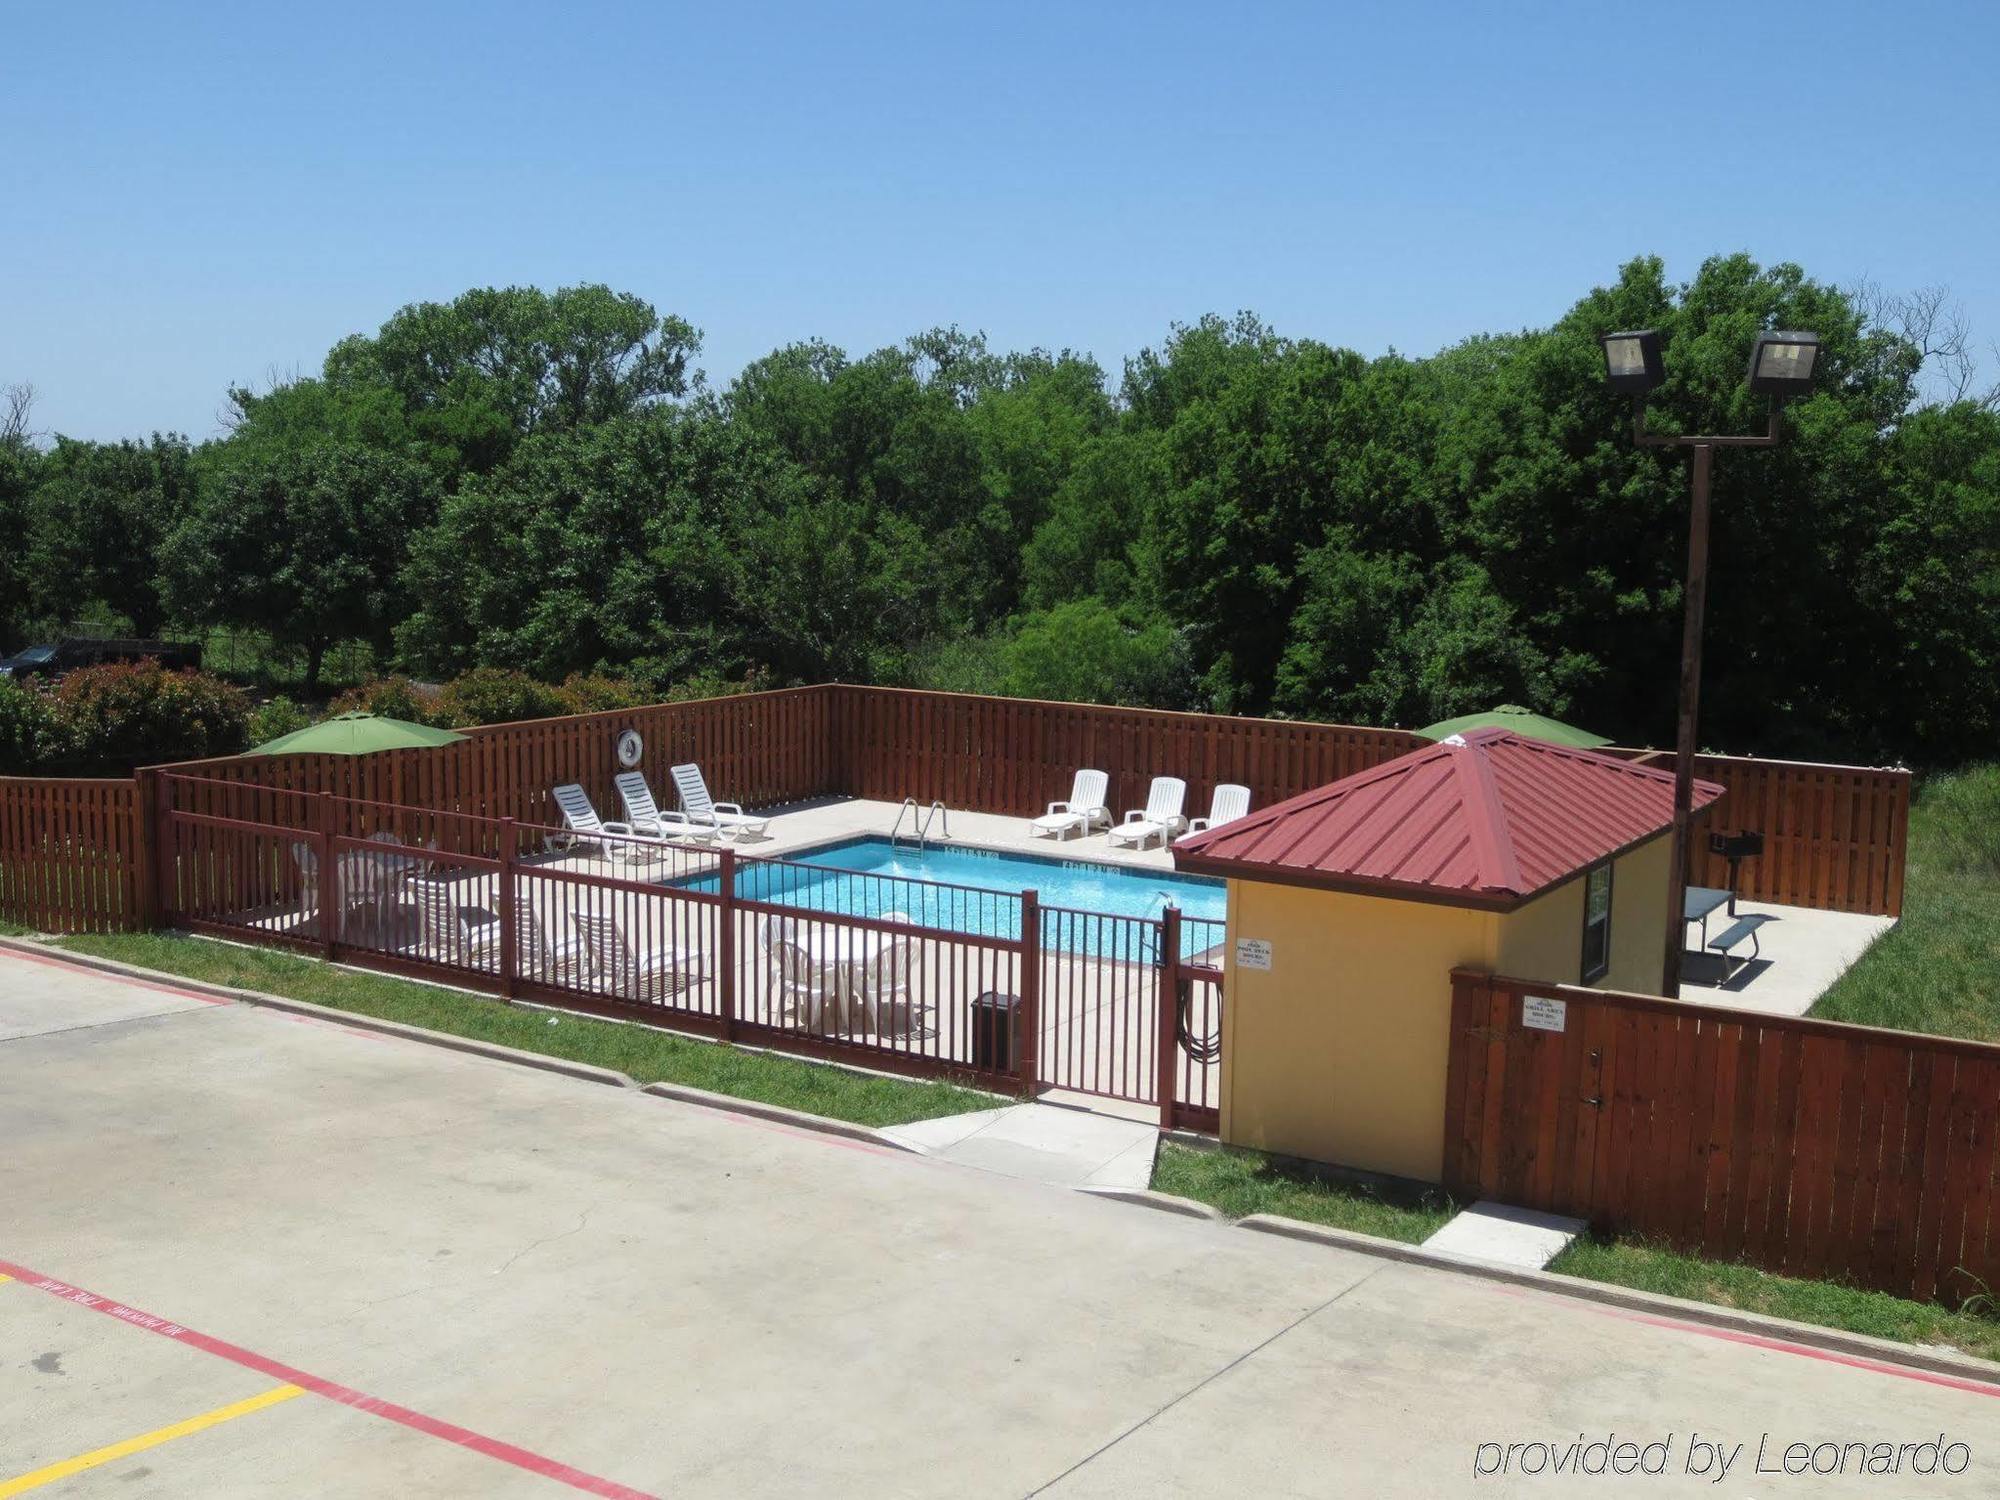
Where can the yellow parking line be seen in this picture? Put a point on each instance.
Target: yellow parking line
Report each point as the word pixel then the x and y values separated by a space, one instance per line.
pixel 152 1439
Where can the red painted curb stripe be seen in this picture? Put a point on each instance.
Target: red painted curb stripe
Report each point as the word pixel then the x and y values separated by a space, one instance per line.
pixel 1759 1341
pixel 507 1453
pixel 1806 1351
pixel 137 983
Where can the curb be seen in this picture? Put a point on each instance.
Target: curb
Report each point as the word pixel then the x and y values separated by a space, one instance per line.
pixel 586 1072
pixel 450 1041
pixel 776 1114
pixel 1165 1202
pixel 1627 1299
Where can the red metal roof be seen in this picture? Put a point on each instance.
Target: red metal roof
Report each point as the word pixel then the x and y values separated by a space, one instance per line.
pixel 1487 820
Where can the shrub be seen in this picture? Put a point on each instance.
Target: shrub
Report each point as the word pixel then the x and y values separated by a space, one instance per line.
pixel 497 695
pixel 140 714
pixel 392 698
pixel 1086 652
pixel 32 734
pixel 596 693
pixel 280 716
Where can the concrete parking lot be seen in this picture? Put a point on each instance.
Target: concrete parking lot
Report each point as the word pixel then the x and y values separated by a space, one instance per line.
pixel 256 1255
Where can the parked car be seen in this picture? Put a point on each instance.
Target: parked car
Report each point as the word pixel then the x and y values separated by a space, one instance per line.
pixel 77 651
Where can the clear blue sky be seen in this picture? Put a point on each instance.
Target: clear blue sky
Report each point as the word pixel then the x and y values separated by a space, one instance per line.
pixel 201 195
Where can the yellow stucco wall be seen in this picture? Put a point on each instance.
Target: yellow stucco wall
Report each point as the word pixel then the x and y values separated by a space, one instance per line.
pixel 1638 918
pixel 1337 1053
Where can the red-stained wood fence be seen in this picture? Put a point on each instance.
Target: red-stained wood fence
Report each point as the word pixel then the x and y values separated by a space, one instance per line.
pixel 760 749
pixel 74 855
pixel 1015 755
pixel 1835 835
pixel 1804 1147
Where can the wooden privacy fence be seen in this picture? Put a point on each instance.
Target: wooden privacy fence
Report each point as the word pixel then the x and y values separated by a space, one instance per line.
pixel 73 855
pixel 1803 1147
pixel 1014 755
pixel 1834 834
pixel 755 748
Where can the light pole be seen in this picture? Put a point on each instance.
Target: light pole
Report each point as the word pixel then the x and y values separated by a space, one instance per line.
pixel 1781 367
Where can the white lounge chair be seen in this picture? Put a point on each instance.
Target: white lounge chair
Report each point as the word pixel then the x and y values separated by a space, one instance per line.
pixel 463 937
pixel 1162 818
pixel 580 818
pixel 614 967
pixel 538 958
pixel 1081 813
pixel 1226 804
pixel 643 815
pixel 724 817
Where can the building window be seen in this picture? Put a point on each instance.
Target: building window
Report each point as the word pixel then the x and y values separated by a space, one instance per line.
pixel 1596 923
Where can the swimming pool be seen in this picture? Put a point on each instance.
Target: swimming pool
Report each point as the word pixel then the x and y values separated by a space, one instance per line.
pixel 978 891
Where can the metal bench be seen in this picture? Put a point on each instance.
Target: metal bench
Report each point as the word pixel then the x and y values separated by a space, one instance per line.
pixel 1734 933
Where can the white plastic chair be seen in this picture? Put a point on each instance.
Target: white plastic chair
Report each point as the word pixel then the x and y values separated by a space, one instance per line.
pixel 1226 804
pixel 890 993
pixel 1080 813
pixel 643 815
pixel 802 985
pixel 1162 818
pixel 700 807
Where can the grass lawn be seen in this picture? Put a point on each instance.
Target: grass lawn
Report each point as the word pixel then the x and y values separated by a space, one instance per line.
pixel 648 1055
pixel 1653 1269
pixel 1241 1183
pixel 1939 970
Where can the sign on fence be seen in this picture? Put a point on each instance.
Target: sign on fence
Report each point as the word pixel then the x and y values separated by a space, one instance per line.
pixel 1543 1013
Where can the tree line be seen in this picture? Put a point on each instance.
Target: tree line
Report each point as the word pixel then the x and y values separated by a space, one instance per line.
pixel 1241 521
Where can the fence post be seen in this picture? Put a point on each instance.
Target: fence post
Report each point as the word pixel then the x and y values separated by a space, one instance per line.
pixel 1168 1043
pixel 329 878
pixel 1028 1017
pixel 510 937
pixel 145 853
pixel 725 947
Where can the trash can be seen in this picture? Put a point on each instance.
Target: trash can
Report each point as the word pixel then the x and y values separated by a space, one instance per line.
pixel 995 1032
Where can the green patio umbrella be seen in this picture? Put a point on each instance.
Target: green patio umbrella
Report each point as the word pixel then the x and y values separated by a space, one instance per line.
pixel 1522 721
pixel 357 734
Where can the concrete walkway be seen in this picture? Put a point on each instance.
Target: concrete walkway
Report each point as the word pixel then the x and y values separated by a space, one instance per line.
pixel 1506 1236
pixel 489 1281
pixel 1041 1143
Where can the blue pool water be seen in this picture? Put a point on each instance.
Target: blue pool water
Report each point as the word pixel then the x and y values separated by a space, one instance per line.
pixel 978 891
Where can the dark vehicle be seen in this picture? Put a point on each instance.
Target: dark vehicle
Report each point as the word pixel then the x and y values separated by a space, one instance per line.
pixel 53 661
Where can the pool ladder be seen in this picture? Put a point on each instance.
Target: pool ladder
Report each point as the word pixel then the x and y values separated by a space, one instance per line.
pixel 920 822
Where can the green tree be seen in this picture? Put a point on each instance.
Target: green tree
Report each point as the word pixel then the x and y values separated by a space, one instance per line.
pixel 96 521
pixel 494 365
pixel 306 546
pixel 616 543
pixel 19 470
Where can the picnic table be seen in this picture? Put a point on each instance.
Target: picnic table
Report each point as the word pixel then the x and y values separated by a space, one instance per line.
pixel 1699 903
